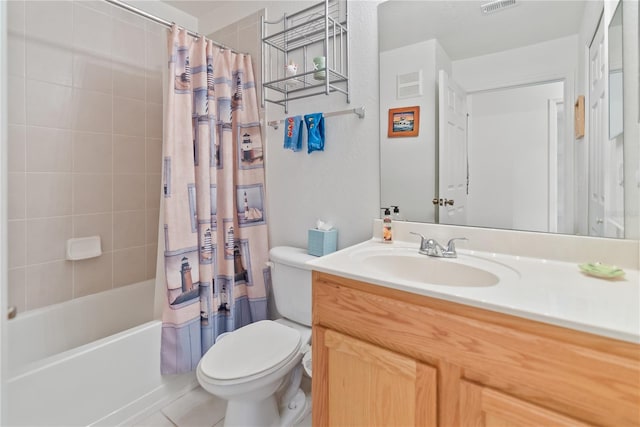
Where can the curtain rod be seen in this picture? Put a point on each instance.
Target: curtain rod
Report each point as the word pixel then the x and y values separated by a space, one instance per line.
pixel 158 20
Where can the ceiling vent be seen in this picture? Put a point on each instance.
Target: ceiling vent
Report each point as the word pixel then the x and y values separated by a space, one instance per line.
pixel 496 6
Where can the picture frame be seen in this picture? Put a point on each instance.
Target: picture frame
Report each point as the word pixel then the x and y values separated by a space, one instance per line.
pixel 578 117
pixel 404 122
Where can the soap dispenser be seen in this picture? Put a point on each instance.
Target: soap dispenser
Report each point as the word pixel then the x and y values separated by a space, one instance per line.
pixel 387 236
pixel 396 214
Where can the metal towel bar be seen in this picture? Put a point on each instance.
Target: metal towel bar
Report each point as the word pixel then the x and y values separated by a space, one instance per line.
pixel 357 111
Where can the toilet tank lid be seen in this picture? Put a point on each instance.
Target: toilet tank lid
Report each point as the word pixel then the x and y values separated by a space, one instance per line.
pixel 294 257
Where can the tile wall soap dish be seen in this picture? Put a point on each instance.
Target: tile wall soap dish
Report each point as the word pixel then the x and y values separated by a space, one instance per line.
pixel 602 271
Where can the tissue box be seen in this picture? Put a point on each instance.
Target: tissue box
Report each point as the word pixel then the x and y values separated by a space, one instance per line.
pixel 322 242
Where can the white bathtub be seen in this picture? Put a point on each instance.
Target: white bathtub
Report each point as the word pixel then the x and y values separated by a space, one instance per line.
pixel 89 361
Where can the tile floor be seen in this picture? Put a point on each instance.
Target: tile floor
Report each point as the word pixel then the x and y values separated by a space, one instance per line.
pixel 195 409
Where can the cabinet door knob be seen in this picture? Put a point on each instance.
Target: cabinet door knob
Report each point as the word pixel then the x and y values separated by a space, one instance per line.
pixel 12 312
pixel 448 202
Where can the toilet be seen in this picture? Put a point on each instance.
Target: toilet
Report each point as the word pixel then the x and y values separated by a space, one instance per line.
pixel 257 369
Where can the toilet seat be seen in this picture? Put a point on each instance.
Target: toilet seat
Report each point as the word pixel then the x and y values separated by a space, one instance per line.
pixel 251 352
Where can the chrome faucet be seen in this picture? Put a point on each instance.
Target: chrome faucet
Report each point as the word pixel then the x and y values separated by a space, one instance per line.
pixel 432 248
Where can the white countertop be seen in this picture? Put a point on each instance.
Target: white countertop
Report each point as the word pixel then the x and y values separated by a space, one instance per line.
pixel 553 292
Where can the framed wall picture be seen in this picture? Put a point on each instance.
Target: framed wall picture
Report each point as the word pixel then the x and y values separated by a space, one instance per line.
pixel 578 117
pixel 403 122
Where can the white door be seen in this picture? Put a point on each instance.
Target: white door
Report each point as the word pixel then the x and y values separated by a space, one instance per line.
pixel 452 143
pixel 597 131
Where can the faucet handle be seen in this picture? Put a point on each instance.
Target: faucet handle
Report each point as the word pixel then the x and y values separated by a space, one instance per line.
pixel 423 240
pixel 451 245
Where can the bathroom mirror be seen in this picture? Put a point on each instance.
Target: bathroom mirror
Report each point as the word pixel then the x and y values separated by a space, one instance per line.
pixel 501 141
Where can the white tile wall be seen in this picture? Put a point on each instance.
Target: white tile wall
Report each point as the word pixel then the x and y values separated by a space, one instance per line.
pixel 49 21
pixel 18 243
pixel 92 73
pixel 128 154
pixel 48 104
pixel 128 118
pixel 92 111
pixel 17 195
pixel 129 82
pixel 48 283
pixel 17 135
pixel 43 239
pixel 128 42
pixel 48 150
pixel 93 275
pixel 85 116
pixel 127 192
pixel 15 18
pixel 48 195
pixel 92 152
pixel 93 193
pixel 129 266
pixel 92 31
pixel 49 62
pixel 128 229
pixel 16 49
pixel 16 100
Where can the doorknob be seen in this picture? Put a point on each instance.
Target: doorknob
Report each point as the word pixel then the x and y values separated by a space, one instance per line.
pixel 12 312
pixel 442 202
pixel 599 221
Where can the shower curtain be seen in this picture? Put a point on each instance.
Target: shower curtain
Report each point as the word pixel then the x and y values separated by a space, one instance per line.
pixel 215 229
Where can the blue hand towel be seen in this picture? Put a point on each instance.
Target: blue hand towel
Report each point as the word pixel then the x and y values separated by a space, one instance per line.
pixel 293 133
pixel 315 129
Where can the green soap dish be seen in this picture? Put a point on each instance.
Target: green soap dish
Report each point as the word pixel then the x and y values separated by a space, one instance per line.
pixel 602 271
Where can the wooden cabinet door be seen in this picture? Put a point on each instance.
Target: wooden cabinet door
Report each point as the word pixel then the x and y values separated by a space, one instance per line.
pixel 485 407
pixel 360 384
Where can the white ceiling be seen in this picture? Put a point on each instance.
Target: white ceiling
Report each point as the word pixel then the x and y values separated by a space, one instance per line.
pixel 458 24
pixel 463 31
pixel 195 8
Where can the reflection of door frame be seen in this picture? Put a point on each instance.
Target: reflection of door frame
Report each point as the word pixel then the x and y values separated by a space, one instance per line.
pixel 4 302
pixel 567 167
pixel 552 177
pixel 595 174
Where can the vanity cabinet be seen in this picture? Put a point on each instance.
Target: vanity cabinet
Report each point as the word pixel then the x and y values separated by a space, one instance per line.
pixel 360 373
pixel 383 357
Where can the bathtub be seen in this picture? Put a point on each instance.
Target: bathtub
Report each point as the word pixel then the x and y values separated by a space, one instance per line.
pixel 93 360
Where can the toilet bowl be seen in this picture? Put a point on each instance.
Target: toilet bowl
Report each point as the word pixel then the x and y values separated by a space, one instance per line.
pixel 249 366
pixel 257 368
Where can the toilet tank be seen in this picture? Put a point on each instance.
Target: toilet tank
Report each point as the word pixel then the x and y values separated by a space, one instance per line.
pixel 291 283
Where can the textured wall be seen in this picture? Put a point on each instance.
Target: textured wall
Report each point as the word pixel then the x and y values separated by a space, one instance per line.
pixel 341 184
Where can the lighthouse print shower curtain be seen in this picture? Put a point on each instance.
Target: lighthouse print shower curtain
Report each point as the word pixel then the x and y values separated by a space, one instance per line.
pixel 215 229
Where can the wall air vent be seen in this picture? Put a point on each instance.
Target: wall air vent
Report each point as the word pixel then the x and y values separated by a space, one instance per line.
pixel 496 6
pixel 409 85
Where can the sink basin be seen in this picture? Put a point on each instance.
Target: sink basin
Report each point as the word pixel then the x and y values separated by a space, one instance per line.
pixel 431 271
pixel 408 265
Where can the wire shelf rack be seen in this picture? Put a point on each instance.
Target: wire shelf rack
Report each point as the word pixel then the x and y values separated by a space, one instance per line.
pixel 296 40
